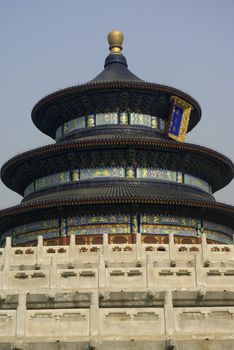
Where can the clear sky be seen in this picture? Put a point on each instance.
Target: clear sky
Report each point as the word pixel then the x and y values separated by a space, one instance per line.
pixel 50 44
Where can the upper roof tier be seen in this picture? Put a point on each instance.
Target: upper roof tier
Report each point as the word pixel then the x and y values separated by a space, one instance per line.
pixel 115 90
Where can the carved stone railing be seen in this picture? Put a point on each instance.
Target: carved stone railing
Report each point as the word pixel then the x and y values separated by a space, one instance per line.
pixel 123 266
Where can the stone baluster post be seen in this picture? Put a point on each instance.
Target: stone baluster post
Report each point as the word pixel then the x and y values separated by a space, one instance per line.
pixel 138 246
pixel 105 246
pixel 204 247
pixel 6 267
pixel 168 313
pixel 199 271
pixel 21 315
pixel 39 250
pixel 53 273
pixel 101 272
pixel 94 314
pixel 72 248
pixel 149 270
pixel 172 247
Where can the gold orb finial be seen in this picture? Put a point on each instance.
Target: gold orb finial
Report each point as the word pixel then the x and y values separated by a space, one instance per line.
pixel 115 40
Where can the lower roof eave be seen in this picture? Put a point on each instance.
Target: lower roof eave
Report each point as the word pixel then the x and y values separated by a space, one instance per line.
pixel 35 211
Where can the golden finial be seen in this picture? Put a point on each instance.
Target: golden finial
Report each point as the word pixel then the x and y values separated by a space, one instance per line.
pixel 115 40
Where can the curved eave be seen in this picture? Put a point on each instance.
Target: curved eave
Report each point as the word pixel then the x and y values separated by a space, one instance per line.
pixel 217 212
pixel 82 95
pixel 9 169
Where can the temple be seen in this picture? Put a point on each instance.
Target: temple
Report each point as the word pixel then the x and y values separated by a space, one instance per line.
pixel 123 203
pixel 117 166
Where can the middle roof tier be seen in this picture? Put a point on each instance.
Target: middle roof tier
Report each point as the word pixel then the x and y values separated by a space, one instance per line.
pixel 136 159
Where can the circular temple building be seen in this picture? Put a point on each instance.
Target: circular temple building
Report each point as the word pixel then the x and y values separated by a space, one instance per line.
pixel 119 166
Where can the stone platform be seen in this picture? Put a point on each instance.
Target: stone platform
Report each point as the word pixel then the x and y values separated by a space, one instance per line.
pixel 129 296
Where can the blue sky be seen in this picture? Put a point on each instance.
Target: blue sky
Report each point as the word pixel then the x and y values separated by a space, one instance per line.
pixel 50 44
